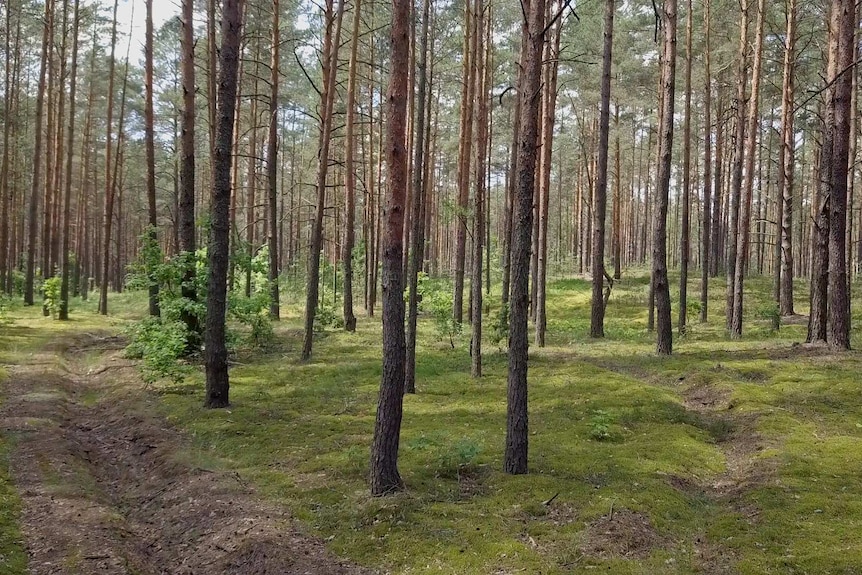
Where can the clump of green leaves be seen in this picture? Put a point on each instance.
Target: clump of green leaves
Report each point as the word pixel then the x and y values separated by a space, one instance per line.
pixel 437 300
pixel 460 457
pixel 770 312
pixel 159 344
pixel 499 325
pixel 51 295
pixel 600 425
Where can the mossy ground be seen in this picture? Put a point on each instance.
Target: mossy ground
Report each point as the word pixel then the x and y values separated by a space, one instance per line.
pixel 763 475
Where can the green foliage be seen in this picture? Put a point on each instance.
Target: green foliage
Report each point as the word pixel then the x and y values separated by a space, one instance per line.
pixel 499 325
pixel 437 300
pixel 253 313
pixel 600 425
pixel 770 312
pixel 51 295
pixel 459 457
pixel 5 305
pixel 159 344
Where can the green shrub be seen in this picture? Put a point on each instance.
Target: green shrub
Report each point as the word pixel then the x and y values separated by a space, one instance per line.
pixel 159 344
pixel 769 311
pixel 600 425
pixel 51 295
pixel 437 300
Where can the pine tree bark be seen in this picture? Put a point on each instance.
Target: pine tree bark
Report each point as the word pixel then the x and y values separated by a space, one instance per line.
pixel 350 175
pixel 600 201
pixel 186 212
pixel 818 318
pixel 838 333
pixel 706 247
pixel 272 166
pixel 479 198
pixel 465 155
pixel 330 59
pixel 752 132
pixel 664 328
pixel 738 160
pixel 786 165
pixel 150 144
pixel 685 224
pixel 33 209
pixel 385 478
pixel 215 356
pixel 65 266
pixel 109 191
pixel 417 223
pixel 515 457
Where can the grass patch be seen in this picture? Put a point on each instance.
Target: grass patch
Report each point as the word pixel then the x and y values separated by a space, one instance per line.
pixel 745 450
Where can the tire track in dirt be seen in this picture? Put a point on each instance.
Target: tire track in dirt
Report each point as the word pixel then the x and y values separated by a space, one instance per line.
pixel 105 489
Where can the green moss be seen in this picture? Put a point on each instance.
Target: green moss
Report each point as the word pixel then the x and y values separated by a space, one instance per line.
pixel 13 559
pixel 767 477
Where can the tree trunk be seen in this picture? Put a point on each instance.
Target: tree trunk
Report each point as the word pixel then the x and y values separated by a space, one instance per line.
pixel 685 232
pixel 330 59
pixel 600 201
pixel 752 132
pixel 817 320
pixel 417 223
pixel 272 165
pixel 384 474
pixel 150 144
pixel 109 195
pixel 515 458
pixel 350 176
pixel 186 212
pixel 465 155
pixel 33 210
pixel 786 165
pixel 482 118
pixel 664 328
pixel 67 196
pixel 838 333
pixel 217 383
pixel 738 160
pixel 705 261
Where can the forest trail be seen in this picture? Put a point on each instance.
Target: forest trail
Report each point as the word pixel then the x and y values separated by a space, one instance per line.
pixel 108 486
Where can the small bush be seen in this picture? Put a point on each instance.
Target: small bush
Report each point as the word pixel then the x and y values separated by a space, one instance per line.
pixel 160 345
pixel 600 425
pixel 51 295
pixel 769 311
pixel 461 456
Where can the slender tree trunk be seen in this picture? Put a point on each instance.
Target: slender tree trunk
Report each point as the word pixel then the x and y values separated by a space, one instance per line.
pixel 186 212
pixel 616 242
pixel 465 155
pixel 217 383
pixel 272 165
pixel 752 132
pixel 786 165
pixel 150 144
pixel 541 257
pixel 417 224
pixel 664 328
pixel 685 231
pixel 109 195
pixel 738 161
pixel 838 333
pixel 67 198
pixel 350 175
pixel 705 262
pixel 330 58
pixel 33 210
pixel 597 315
pixel 482 118
pixel 515 457
pixel 818 319
pixel 384 474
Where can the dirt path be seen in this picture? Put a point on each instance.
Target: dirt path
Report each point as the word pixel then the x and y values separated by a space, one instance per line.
pixel 105 487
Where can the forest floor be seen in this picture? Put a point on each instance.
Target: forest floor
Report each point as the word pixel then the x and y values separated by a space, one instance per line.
pixel 728 457
pixel 107 486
